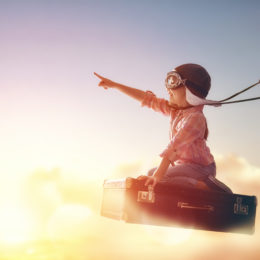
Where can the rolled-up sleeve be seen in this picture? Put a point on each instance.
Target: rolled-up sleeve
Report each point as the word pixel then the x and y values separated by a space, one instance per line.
pixel 157 104
pixel 190 129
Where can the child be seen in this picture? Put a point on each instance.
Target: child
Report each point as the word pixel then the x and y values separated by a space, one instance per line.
pixel 187 159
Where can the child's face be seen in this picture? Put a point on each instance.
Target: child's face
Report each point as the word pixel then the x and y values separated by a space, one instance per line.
pixel 177 96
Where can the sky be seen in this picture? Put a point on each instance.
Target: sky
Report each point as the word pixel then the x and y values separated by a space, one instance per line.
pixel 61 135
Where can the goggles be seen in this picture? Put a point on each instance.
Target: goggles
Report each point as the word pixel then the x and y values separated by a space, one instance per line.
pixel 173 80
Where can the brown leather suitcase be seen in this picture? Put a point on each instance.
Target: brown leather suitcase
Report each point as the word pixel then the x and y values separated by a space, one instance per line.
pixel 171 205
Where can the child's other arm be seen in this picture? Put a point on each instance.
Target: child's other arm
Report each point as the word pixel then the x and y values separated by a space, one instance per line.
pixel 158 174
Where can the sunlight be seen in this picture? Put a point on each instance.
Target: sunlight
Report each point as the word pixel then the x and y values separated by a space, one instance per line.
pixel 69 221
pixel 16 226
pixel 168 235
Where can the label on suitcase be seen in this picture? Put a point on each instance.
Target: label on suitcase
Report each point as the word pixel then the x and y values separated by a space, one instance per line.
pixel 171 205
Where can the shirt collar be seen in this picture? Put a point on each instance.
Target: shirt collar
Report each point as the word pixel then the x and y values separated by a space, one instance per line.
pixel 193 109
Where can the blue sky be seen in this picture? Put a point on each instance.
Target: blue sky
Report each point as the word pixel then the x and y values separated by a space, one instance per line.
pixel 51 48
pixel 55 118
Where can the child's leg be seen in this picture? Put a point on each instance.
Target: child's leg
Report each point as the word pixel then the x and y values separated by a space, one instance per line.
pixel 186 174
pixel 195 171
pixel 197 176
pixel 190 170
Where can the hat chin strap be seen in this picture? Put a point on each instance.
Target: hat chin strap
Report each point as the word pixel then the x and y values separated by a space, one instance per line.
pixel 197 101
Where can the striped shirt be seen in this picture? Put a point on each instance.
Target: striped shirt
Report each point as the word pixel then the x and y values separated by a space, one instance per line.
pixel 187 130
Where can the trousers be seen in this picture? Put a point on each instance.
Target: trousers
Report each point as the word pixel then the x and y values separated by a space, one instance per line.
pixel 189 174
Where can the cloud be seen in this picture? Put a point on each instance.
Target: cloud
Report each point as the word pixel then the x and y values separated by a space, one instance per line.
pixel 128 170
pixel 238 173
pixel 68 201
pixel 41 195
pixel 46 192
pixel 243 178
pixel 70 222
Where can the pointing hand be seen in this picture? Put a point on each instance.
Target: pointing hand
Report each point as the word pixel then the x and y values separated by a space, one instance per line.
pixel 104 82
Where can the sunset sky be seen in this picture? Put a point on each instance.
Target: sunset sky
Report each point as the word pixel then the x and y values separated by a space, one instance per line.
pixel 61 135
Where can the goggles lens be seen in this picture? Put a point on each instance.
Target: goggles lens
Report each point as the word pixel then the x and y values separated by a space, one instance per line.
pixel 173 80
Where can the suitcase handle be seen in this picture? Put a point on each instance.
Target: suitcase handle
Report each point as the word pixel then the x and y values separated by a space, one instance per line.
pixel 185 205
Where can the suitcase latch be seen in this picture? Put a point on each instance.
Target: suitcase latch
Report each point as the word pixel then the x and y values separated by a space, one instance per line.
pixel 146 196
pixel 239 208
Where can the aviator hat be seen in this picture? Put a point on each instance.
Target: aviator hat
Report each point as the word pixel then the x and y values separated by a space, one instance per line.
pixel 197 79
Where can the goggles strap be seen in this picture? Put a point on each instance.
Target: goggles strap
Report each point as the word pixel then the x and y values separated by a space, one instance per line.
pixel 223 101
pixel 240 92
pixel 237 101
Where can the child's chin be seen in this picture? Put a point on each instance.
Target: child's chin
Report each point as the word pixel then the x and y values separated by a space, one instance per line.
pixel 172 103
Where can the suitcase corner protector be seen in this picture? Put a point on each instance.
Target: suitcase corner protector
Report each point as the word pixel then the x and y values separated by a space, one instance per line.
pixel 128 182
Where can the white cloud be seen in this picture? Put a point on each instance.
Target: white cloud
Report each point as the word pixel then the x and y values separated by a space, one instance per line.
pixel 238 173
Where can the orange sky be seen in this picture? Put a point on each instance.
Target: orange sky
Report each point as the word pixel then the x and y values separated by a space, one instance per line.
pixel 65 221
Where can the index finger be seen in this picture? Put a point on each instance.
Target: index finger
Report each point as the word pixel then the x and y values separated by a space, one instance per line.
pixel 98 75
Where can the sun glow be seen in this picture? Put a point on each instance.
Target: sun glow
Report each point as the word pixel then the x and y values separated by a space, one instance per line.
pixel 70 222
pixel 168 235
pixel 16 225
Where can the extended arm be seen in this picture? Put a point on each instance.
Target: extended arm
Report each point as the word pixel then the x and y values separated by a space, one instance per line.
pixel 132 92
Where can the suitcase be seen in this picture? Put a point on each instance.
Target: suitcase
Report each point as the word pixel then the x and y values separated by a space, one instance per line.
pixel 171 205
